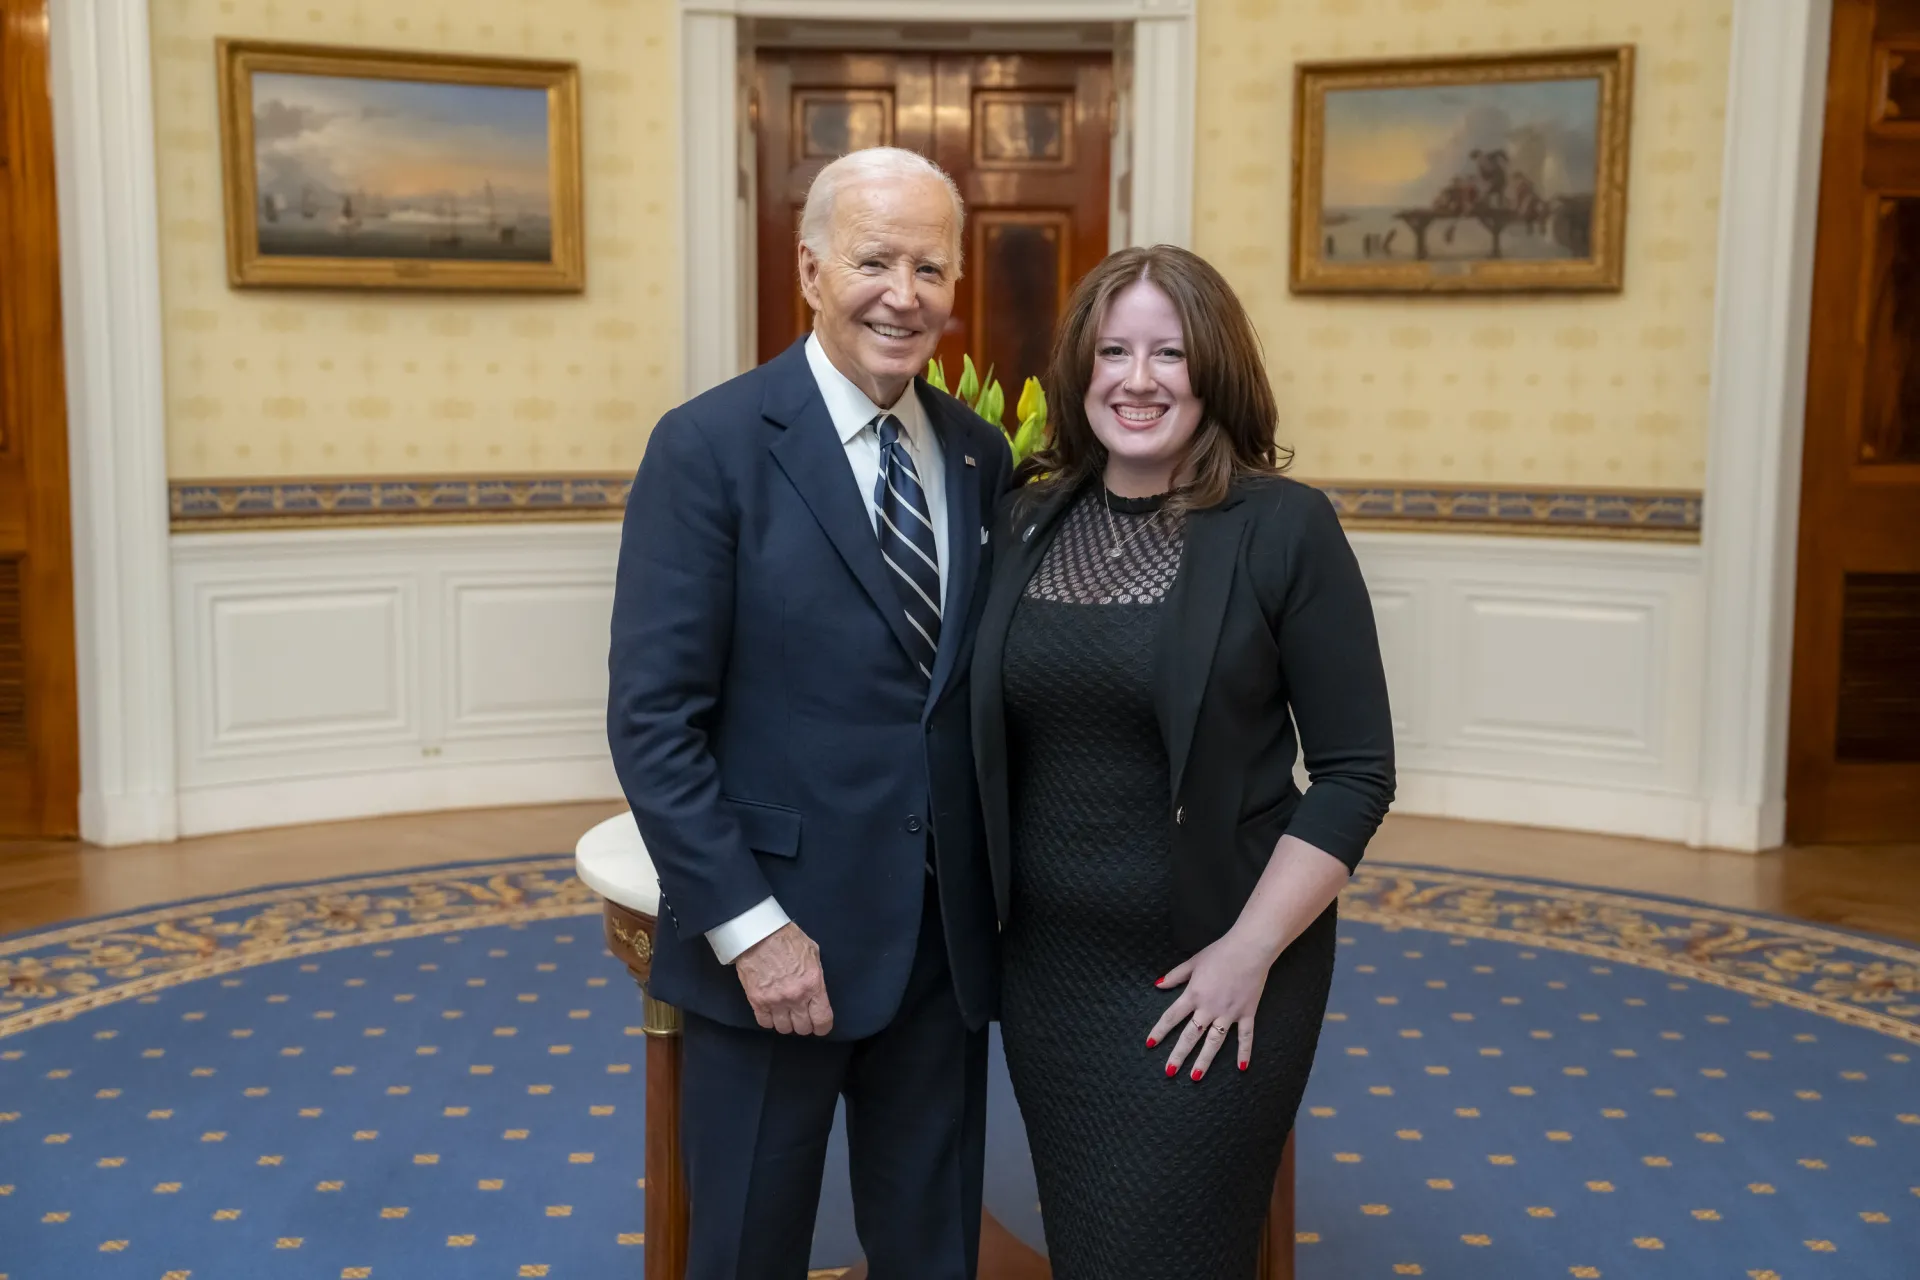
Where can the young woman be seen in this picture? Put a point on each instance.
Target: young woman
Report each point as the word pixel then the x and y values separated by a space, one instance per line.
pixel 1165 610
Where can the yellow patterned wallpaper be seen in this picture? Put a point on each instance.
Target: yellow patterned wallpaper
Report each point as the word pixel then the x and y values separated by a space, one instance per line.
pixel 1607 390
pixel 286 383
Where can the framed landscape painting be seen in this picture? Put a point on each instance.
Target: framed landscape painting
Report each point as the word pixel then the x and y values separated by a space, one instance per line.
pixel 1503 173
pixel 355 168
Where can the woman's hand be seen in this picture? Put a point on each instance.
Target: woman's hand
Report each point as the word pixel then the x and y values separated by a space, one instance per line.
pixel 1223 985
pixel 1224 982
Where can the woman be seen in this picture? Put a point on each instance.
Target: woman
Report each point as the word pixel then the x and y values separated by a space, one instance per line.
pixel 1167 608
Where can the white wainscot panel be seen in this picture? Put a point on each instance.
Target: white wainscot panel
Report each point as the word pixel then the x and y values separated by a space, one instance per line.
pixel 530 656
pixel 1545 681
pixel 1398 612
pixel 342 673
pixel 1558 674
pixel 298 669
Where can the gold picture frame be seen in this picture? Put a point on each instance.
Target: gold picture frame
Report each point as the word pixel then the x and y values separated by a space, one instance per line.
pixel 466 169
pixel 1501 173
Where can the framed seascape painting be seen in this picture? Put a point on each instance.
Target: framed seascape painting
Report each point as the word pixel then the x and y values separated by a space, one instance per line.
pixel 354 168
pixel 1503 173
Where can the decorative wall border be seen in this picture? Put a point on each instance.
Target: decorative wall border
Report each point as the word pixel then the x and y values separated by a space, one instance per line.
pixel 1662 515
pixel 256 504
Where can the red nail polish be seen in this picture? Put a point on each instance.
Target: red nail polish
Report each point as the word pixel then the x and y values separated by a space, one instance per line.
pixel 1172 1070
pixel 1159 981
pixel 1151 1042
pixel 1243 1066
pixel 1197 1073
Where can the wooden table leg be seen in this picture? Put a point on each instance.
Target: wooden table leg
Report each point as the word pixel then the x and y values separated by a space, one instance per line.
pixel 630 938
pixel 667 1216
pixel 1276 1247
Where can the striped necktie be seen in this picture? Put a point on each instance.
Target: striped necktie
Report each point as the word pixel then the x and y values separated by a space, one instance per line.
pixel 907 543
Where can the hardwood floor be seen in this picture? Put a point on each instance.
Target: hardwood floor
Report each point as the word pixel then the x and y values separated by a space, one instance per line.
pixel 1874 888
pixel 46 881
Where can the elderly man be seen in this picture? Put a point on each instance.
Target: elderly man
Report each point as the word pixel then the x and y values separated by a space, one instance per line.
pixel 804 555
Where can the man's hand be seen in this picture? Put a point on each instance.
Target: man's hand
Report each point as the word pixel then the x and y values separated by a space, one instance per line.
pixel 782 978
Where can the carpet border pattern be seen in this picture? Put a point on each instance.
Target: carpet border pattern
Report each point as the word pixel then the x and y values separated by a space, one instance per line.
pixel 54 974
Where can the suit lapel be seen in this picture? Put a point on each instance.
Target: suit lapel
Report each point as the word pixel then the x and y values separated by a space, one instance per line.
pixel 810 453
pixel 1195 611
pixel 963 536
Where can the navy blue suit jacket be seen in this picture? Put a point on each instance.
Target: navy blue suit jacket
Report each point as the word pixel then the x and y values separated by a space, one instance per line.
pixel 771 733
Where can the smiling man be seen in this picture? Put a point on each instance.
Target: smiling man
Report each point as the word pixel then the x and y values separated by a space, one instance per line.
pixel 804 554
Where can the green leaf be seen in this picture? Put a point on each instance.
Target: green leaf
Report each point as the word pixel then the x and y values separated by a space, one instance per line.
pixel 969 389
pixel 1030 437
pixel 993 405
pixel 936 376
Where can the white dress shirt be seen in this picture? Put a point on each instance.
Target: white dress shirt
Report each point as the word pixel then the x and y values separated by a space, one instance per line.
pixel 853 414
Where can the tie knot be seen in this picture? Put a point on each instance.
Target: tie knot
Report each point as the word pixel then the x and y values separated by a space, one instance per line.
pixel 889 428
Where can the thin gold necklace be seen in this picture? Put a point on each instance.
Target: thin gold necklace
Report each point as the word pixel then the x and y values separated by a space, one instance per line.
pixel 1113 532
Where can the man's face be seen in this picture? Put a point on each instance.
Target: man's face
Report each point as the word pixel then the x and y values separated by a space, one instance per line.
pixel 882 293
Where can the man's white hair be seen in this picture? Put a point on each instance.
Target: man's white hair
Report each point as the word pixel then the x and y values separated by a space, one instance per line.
pixel 870 165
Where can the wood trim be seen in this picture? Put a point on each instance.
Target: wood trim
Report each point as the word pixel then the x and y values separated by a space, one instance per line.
pixel 32 384
pixel 630 937
pixel 1276 1245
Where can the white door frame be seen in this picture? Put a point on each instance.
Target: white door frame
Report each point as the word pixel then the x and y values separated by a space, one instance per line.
pixel 110 271
pixel 716 247
pixel 1769 203
pixel 102 77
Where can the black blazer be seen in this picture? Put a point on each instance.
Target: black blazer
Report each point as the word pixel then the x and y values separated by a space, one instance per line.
pixel 1268 624
pixel 770 730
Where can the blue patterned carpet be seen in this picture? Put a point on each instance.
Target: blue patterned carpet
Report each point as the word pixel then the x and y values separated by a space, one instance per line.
pixel 439 1073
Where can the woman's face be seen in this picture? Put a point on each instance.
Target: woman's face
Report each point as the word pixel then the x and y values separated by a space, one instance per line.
pixel 1139 401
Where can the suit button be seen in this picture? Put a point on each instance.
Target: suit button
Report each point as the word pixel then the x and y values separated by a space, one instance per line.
pixel 913 823
pixel 1180 816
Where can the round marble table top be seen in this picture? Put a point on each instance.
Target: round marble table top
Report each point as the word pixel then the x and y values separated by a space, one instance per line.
pixel 612 859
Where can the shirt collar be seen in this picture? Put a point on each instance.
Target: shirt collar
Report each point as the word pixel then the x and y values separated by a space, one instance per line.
pixel 851 409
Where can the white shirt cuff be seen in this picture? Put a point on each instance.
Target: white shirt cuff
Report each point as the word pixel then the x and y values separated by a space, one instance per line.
pixel 753 925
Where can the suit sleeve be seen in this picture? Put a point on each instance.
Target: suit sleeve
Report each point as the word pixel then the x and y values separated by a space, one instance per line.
pixel 1330 658
pixel 672 630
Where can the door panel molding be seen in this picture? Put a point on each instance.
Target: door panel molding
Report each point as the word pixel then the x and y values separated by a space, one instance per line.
pixel 1853 760
pixel 39 748
pixel 1155 142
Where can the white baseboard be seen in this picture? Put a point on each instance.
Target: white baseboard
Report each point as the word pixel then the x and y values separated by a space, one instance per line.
pixel 128 819
pixel 1746 828
pixel 1527 802
pixel 425 788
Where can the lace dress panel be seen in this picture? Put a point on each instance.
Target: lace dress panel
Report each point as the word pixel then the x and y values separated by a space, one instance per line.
pixel 1081 566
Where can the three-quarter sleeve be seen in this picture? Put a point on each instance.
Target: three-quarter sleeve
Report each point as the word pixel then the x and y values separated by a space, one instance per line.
pixel 1336 685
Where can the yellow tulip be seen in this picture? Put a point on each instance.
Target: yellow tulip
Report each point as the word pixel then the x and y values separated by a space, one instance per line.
pixel 1033 401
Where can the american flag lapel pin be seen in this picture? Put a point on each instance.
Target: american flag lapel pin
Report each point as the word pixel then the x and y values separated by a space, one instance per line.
pixel 970 461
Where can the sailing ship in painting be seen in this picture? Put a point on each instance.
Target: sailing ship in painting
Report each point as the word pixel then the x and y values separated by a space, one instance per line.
pixel 363 168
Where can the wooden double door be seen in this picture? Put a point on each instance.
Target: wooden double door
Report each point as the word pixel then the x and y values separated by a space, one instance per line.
pixel 39 750
pixel 1027 138
pixel 1854 750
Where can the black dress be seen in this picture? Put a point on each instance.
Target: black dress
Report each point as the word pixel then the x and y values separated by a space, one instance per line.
pixel 1141 1177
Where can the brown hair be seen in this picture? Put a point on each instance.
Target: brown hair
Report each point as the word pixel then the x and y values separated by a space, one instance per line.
pixel 1224 366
